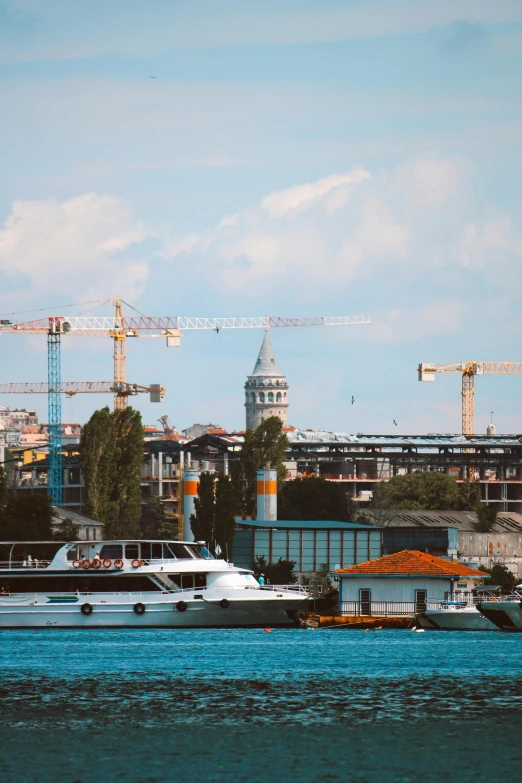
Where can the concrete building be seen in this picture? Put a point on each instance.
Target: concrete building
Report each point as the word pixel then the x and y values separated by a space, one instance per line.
pixel 402 584
pixel 266 390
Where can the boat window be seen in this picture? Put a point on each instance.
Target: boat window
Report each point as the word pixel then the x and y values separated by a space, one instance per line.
pixel 195 551
pixel 132 551
pixel 168 552
pixel 99 582
pixel 156 552
pixel 181 551
pixel 145 550
pixel 205 553
pixel 176 579
pixel 187 581
pixel 200 580
pixel 111 551
pixel 72 554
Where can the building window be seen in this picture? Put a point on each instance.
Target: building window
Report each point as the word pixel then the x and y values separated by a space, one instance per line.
pixel 253 398
pixel 278 397
pixel 261 396
pixel 270 397
pixel 94 534
pixel 87 531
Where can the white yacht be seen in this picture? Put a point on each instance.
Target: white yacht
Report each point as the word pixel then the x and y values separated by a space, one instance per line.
pixel 460 615
pixel 135 584
pixel 505 613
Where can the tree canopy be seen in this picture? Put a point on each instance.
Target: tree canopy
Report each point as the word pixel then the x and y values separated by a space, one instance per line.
pixel 111 456
pixel 428 490
pixel 266 445
pixel 213 520
pixel 281 572
pixel 314 498
pixel 155 523
pixel 26 516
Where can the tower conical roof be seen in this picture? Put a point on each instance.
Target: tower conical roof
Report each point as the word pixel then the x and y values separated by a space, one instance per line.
pixel 266 363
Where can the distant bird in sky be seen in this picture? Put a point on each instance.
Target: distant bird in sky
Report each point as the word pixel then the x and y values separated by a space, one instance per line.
pixel 353 400
pixel 152 77
pixel 395 423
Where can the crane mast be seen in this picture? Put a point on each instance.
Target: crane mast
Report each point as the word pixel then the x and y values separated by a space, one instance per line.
pixel 468 371
pixel 119 328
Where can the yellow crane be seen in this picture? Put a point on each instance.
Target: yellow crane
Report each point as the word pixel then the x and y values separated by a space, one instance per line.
pixel 469 370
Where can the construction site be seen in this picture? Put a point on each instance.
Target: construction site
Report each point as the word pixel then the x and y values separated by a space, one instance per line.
pixel 44 457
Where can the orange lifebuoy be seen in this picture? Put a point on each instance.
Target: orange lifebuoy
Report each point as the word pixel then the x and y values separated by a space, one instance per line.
pixel 107 562
pixel 118 563
pixel 86 563
pixel 96 563
pixel 76 563
pixel 136 563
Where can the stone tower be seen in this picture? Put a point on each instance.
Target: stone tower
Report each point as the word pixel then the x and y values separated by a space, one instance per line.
pixel 266 390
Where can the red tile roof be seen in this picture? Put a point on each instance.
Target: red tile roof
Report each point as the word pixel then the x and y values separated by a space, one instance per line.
pixel 411 563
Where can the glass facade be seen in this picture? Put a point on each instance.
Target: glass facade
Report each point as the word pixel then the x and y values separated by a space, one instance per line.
pixel 309 548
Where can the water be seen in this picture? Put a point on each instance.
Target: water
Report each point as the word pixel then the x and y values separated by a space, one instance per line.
pixel 245 705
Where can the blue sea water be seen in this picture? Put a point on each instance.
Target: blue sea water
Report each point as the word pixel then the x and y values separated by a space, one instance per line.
pixel 246 705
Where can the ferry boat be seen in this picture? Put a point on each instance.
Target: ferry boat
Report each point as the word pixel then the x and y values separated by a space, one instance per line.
pixel 136 584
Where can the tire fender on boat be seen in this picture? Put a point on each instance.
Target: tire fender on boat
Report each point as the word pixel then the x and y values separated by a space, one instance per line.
pixel 86 609
pixel 107 562
pixel 224 603
pixel 86 563
pixel 118 563
pixel 76 563
pixel 96 563
pixel 181 606
pixel 139 608
pixel 136 563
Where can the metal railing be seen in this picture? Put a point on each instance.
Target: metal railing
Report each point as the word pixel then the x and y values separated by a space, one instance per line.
pixel 409 608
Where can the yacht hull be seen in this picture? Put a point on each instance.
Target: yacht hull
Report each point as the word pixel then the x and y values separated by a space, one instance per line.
pixel 451 620
pixel 274 612
pixel 506 615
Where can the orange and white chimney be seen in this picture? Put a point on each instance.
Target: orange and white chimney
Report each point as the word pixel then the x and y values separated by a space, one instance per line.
pixel 190 490
pixel 267 495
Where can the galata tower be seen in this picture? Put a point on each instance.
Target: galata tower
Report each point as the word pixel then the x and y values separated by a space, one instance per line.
pixel 266 390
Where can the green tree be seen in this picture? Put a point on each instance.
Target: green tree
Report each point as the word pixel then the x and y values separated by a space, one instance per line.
pixel 66 530
pixel 266 445
pixel 3 490
pixel 27 518
pixel 96 462
pixel 202 522
pixel 279 573
pixel 314 498
pixel 111 456
pixel 486 518
pixel 428 490
pixel 224 515
pixel 501 575
pixel 124 508
pixel 155 523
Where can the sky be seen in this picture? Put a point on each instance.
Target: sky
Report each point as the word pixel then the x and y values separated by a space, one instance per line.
pixel 268 157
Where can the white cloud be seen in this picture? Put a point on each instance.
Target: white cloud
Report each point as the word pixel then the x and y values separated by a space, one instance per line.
pixel 85 246
pixel 333 191
pixel 341 227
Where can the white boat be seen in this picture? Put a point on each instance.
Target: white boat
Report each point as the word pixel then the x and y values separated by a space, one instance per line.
pixel 137 584
pixel 454 616
pixel 505 613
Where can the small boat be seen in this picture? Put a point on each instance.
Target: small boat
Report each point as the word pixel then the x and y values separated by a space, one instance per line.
pixel 136 584
pixel 505 613
pixel 460 615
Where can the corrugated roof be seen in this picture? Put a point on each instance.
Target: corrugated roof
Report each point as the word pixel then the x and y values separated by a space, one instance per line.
pixel 302 524
pixel 411 563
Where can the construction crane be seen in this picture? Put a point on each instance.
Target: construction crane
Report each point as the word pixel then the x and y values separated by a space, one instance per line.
pixel 469 370
pixel 119 328
pixel 70 388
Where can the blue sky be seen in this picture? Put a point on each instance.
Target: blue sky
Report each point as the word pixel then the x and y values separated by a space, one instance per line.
pixel 289 158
